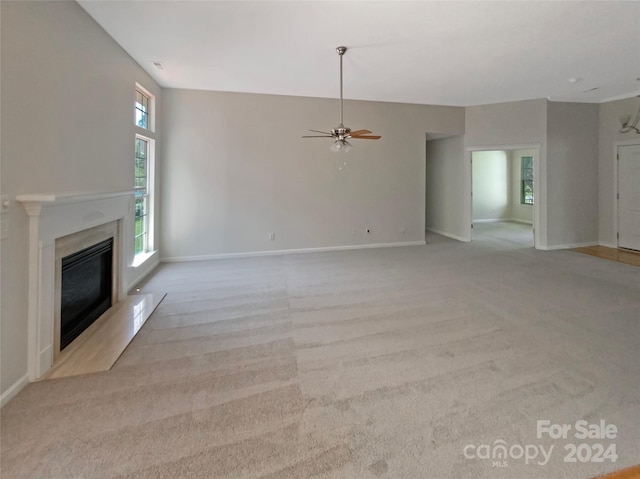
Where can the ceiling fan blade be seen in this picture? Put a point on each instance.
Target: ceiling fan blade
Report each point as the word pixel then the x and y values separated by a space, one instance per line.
pixel 359 132
pixel 323 132
pixel 368 137
pixel 317 136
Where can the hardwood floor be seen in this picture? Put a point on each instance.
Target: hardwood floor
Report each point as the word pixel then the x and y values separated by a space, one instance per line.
pixel 630 473
pixel 614 254
pixel 102 343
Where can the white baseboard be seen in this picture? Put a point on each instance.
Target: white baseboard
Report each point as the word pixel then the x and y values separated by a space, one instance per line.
pixel 448 235
pixel 608 245
pixel 496 220
pixel 175 259
pixel 14 389
pixel 501 220
pixel 568 246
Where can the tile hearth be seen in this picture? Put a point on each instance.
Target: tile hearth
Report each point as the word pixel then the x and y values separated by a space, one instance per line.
pixel 101 344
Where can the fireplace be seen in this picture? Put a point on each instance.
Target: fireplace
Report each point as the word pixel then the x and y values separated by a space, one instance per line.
pixel 85 290
pixel 61 225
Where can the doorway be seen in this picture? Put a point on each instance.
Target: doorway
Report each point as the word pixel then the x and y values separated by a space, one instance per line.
pixel 628 197
pixel 502 195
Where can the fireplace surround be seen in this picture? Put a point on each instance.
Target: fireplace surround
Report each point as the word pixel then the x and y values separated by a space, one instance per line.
pixel 60 224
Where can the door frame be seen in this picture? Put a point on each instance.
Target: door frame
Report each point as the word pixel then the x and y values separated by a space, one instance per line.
pixel 537 179
pixel 616 186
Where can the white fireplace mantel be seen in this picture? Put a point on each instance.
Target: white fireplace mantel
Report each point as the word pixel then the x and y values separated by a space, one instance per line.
pixel 33 203
pixel 53 216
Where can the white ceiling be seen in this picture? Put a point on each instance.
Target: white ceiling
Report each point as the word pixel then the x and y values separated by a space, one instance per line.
pixel 444 53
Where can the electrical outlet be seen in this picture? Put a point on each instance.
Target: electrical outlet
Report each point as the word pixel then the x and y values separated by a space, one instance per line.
pixel 272 236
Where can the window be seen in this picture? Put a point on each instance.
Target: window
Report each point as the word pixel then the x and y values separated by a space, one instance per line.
pixel 144 151
pixel 141 188
pixel 526 180
pixel 143 102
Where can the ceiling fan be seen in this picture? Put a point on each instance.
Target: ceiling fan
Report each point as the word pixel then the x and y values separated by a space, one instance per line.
pixel 341 134
pixel 628 125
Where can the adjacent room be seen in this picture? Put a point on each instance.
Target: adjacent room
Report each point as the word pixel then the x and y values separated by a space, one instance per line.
pixel 502 192
pixel 319 239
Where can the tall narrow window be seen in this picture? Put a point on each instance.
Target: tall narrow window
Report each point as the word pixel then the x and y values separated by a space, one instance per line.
pixel 526 180
pixel 144 151
pixel 141 196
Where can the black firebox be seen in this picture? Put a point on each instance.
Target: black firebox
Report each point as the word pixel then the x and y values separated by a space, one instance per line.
pixel 86 289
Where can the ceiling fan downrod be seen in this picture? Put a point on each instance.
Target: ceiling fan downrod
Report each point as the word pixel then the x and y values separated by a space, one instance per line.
pixel 341 51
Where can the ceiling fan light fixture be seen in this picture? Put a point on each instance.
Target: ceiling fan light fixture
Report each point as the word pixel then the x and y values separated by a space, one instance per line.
pixel 341 146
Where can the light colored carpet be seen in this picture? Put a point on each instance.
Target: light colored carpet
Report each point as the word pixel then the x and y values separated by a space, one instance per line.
pixel 380 363
pixel 504 234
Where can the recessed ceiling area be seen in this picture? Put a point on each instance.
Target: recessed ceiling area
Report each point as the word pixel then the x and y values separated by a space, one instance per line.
pixel 454 53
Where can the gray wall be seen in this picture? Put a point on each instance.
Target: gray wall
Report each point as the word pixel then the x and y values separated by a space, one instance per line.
pixel 572 174
pixel 608 138
pixel 513 123
pixel 67 125
pixel 447 210
pixel 237 169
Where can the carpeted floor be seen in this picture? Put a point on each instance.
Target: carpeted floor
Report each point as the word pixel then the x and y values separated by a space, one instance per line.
pixel 503 234
pixel 379 363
